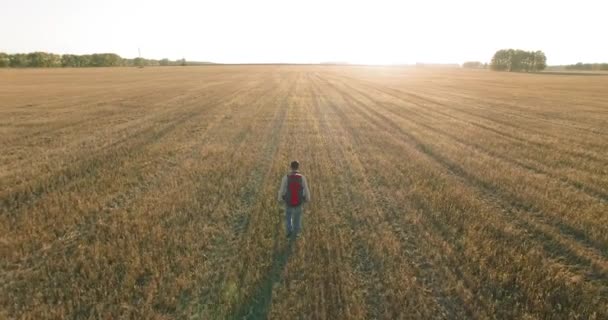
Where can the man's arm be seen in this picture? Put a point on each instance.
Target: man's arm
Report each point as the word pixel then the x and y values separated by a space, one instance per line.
pixel 306 191
pixel 282 189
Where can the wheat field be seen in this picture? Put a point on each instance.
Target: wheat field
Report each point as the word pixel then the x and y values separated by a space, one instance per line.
pixel 436 193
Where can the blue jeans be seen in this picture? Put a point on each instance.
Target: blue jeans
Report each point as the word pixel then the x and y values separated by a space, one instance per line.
pixel 293 219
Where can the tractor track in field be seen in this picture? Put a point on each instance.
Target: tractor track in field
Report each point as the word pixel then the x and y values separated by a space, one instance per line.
pixel 329 298
pixel 333 252
pixel 238 223
pixel 261 175
pixel 365 262
pixel 259 305
pixel 511 106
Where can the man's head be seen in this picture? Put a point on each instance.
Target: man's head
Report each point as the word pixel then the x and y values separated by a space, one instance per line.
pixel 295 165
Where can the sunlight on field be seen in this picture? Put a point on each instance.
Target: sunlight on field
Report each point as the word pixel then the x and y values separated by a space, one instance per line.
pixel 150 193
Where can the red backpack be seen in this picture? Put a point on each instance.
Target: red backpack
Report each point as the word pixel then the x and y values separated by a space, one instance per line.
pixel 295 190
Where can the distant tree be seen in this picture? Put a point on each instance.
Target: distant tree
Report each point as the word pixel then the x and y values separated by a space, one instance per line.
pixel 164 62
pixel 501 61
pixel 112 60
pixel 472 65
pixel 139 62
pixel 5 62
pixel 98 60
pixel 182 62
pixel 577 66
pixel 152 62
pixel 588 66
pixel 518 60
pixel 540 61
pixel 127 62
pixel 105 60
pixel 54 60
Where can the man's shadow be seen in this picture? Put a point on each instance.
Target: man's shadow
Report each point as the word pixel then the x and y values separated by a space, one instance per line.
pixel 258 305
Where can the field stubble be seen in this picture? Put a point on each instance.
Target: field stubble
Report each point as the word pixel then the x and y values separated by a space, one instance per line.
pixel 436 193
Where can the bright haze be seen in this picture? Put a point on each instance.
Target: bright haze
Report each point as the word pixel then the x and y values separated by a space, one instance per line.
pixel 264 31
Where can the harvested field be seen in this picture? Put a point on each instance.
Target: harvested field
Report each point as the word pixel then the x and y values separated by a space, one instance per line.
pixel 436 193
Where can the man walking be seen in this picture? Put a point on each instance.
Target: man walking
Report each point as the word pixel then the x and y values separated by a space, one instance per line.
pixel 293 193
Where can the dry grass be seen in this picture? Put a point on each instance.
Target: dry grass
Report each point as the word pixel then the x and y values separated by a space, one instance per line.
pixel 150 193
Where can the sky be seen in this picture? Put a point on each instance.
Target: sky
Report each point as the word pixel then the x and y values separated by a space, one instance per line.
pixel 311 31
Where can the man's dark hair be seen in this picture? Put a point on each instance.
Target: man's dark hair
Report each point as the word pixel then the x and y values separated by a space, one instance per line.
pixel 295 165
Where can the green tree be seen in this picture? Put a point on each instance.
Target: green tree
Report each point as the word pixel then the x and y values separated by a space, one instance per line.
pixel 139 62
pixel 518 60
pixel 540 61
pixel 43 60
pixel 70 60
pixel 18 60
pixel 5 62
pixel 501 61
pixel 54 60
pixel 85 60
pixel 105 60
pixel 36 59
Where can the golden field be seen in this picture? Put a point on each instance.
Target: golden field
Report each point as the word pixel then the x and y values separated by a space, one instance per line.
pixel 436 193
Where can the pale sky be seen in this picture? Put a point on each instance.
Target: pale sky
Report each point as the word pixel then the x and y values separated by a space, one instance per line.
pixel 309 31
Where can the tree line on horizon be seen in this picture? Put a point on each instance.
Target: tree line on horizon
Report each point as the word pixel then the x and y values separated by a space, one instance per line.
pixel 51 60
pixel 587 66
pixel 503 60
pixel 528 61
pixel 474 65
